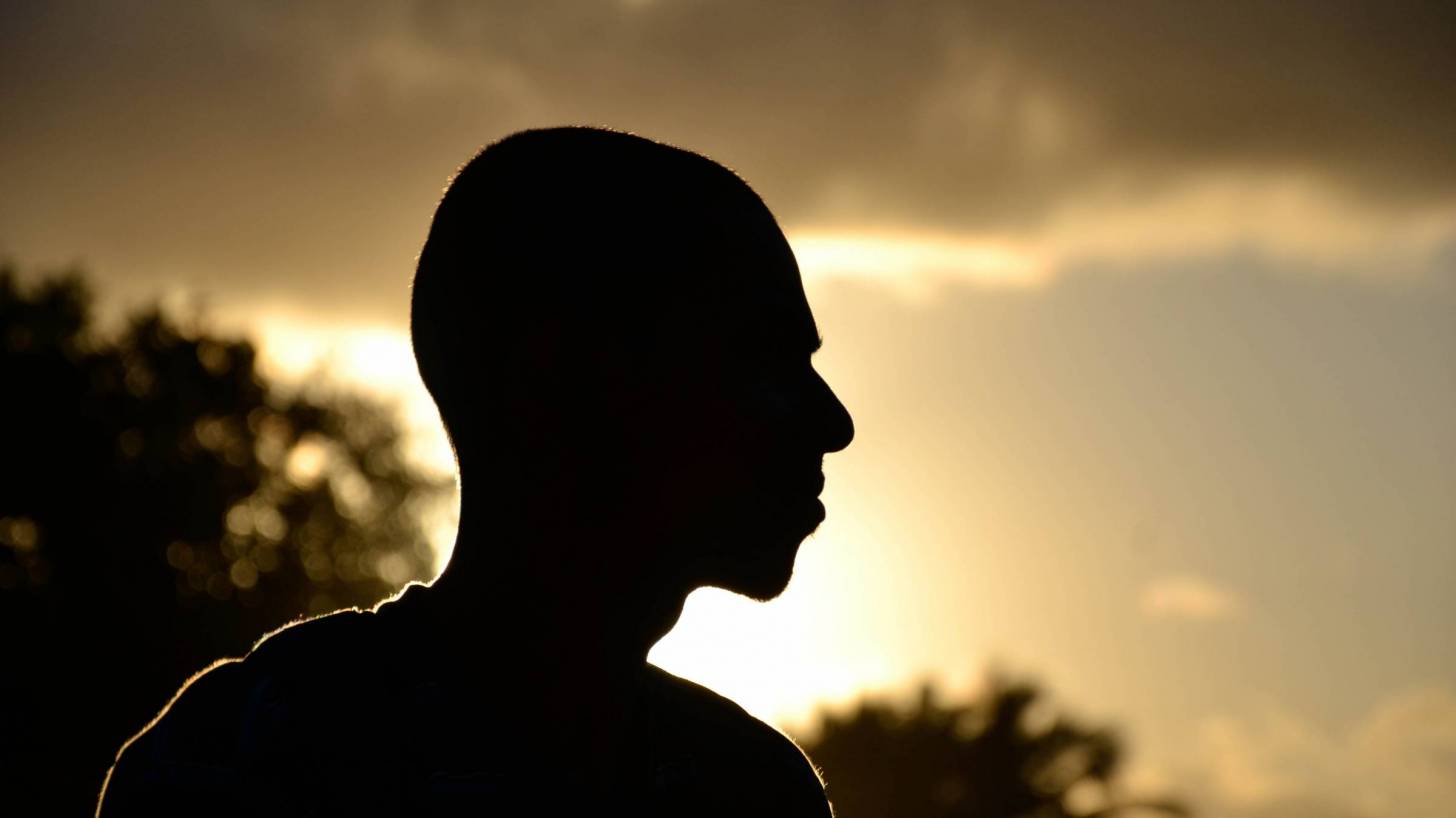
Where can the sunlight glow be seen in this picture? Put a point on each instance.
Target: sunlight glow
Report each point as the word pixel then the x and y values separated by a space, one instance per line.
pixel 915 263
pixel 1189 597
pixel 1289 218
pixel 771 658
pixel 376 359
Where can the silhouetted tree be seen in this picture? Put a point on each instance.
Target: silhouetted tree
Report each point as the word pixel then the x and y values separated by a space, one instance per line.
pixel 1001 755
pixel 161 506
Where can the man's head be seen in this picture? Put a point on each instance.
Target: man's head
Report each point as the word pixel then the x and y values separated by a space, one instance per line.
pixel 618 341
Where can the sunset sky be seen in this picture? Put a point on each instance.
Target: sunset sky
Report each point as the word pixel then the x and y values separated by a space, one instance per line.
pixel 1145 312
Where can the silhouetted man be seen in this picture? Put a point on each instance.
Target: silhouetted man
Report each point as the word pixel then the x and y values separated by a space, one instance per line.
pixel 618 340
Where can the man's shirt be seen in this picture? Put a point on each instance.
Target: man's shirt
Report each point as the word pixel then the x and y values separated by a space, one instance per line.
pixel 344 715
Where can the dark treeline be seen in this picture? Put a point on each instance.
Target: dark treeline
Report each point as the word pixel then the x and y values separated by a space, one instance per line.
pixel 163 506
pixel 1002 754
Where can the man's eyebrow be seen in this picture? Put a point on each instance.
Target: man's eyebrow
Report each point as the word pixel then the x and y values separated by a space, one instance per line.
pixel 818 342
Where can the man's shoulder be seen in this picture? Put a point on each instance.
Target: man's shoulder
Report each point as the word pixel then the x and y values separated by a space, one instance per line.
pixel 730 739
pixel 295 657
pixel 238 710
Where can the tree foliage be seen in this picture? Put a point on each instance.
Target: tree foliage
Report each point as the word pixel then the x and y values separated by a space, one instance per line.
pixel 1001 755
pixel 163 506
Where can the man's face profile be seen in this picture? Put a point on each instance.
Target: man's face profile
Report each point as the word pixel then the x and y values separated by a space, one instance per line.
pixel 748 458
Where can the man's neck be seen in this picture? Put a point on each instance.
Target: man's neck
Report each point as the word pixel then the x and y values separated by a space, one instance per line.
pixel 566 601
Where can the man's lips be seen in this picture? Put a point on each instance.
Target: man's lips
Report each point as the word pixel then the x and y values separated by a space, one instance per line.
pixel 805 490
pixel 809 487
pixel 779 487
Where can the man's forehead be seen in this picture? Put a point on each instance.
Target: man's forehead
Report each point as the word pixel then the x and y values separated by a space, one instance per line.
pixel 738 283
pixel 762 280
pixel 783 313
pixel 765 311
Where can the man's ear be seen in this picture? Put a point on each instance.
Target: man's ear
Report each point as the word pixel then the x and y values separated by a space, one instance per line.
pixel 569 371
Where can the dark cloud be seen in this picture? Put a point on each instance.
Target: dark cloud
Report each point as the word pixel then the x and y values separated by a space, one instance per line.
pixel 948 110
pixel 288 139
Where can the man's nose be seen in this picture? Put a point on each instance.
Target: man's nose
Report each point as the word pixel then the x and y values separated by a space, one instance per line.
pixel 834 426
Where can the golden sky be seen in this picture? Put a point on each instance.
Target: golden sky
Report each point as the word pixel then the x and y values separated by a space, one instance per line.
pixel 1144 311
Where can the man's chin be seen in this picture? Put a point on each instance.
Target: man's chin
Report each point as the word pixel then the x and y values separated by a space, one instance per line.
pixel 758 590
pixel 761 577
pixel 757 560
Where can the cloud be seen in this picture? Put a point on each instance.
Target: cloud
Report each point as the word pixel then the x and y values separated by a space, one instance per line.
pixel 955 115
pixel 916 265
pixel 300 147
pixel 1395 762
pixel 1189 597
pixel 1299 224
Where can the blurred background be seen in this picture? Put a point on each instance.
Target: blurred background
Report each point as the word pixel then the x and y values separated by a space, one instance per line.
pixel 1146 314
